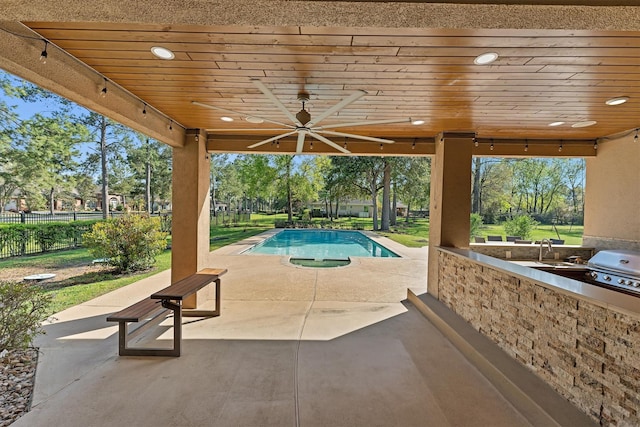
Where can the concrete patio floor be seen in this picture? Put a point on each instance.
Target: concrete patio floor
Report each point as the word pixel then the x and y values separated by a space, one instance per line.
pixel 293 346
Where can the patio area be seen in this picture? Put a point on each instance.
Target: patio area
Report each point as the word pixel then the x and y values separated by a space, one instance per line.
pixel 293 346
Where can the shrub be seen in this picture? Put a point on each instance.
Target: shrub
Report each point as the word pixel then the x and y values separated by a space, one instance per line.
pixel 130 242
pixel 476 224
pixel 521 225
pixel 23 308
pixel 12 239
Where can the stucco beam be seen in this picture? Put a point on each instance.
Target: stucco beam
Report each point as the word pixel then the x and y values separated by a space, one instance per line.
pixel 546 148
pixel 238 144
pixel 73 80
pixel 422 146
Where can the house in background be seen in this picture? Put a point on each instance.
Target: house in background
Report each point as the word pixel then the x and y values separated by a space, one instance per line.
pixel 350 208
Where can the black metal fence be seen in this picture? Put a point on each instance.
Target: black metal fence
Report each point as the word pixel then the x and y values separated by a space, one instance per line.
pixel 33 233
pixel 40 218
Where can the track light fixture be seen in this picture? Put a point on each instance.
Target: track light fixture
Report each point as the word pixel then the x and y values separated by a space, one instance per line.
pixel 311 145
pixel 413 146
pixel 44 54
pixel 475 141
pixel 381 147
pixel 560 148
pixel 170 125
pixel 197 137
pixel 526 145
pixel 144 111
pixel 635 138
pixel 491 147
pixel 103 92
pixel 278 144
pixel 595 145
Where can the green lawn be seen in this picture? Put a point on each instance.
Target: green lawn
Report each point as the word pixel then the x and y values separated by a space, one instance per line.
pixel 83 288
pixel 572 235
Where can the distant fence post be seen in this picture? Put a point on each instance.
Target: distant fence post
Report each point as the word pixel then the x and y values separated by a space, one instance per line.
pixel 23 217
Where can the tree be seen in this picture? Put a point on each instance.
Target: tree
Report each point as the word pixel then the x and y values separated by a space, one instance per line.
pixel 48 147
pixel 386 191
pixel 109 140
pixel 150 163
pixel 413 182
pixel 365 174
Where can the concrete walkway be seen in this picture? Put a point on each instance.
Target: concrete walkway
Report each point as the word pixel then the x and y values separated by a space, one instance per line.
pixel 293 346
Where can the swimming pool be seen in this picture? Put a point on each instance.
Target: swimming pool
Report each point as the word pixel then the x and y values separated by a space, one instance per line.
pixel 321 244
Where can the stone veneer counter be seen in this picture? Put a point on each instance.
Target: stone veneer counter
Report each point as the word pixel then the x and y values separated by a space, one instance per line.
pixel 582 339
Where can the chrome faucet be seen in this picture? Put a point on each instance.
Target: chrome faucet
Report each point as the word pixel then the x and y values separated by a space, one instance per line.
pixel 549 248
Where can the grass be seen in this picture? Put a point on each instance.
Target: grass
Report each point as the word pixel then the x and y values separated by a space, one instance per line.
pixel 79 289
pixel 572 235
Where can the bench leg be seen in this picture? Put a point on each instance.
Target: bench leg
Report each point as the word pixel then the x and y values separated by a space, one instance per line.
pixel 206 313
pixel 123 335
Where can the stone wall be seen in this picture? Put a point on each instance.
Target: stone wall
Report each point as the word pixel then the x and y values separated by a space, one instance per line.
pixel 589 354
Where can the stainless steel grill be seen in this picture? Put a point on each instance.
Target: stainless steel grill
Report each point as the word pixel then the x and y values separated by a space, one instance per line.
pixel 616 268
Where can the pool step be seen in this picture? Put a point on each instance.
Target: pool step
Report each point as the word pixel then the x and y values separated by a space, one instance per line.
pixel 532 397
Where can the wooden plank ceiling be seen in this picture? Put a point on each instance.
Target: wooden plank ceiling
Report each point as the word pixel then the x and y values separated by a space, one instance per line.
pixel 540 77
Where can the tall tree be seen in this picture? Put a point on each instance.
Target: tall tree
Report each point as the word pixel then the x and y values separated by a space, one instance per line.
pixel 150 163
pixel 49 149
pixel 413 182
pixel 386 194
pixel 108 141
pixel 365 174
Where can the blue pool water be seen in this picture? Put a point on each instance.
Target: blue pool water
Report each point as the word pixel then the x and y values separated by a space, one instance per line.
pixel 321 244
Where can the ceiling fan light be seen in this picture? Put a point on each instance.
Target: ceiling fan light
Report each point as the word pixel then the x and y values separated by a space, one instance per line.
pixel 485 58
pixel 617 101
pixel 417 122
pixel 162 52
pixel 554 124
pixel 226 119
pixel 303 116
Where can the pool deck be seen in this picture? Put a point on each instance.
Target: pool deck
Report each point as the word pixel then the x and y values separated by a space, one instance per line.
pixel 294 346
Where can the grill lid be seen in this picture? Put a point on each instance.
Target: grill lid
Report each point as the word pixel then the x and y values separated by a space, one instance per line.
pixel 621 261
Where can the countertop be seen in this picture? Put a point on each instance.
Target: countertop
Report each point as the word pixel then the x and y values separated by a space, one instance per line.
pixel 595 294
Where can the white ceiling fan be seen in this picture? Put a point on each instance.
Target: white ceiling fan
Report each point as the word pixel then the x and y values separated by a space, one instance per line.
pixel 304 125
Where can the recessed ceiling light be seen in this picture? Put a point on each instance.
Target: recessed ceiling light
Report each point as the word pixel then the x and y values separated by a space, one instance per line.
pixel 584 124
pixel 255 120
pixel 485 58
pixel 556 124
pixel 226 119
pixel 417 122
pixel 617 101
pixel 162 52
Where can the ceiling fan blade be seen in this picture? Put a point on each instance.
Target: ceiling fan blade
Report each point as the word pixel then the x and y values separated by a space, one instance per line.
pixel 265 90
pixel 339 106
pixel 266 141
pixel 246 130
pixel 300 144
pixel 329 143
pixel 351 135
pixel 353 124
pixel 213 107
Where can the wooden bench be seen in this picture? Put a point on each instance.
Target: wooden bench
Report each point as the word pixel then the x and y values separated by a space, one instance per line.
pixel 160 303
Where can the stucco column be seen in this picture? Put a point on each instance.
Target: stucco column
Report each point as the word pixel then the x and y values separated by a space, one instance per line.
pixel 612 195
pixel 190 200
pixel 450 206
